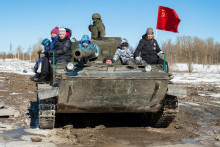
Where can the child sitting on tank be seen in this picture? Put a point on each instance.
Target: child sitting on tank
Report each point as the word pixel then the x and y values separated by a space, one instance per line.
pixel 47 46
pixel 62 51
pixel 125 53
pixel 86 44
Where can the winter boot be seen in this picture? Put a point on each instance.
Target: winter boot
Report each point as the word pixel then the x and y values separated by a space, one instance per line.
pixel 35 77
pixel 132 64
pixel 43 78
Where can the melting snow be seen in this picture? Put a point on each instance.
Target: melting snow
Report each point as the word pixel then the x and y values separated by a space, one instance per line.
pixel 16 66
pixel 191 103
pixel 14 93
pixel 200 74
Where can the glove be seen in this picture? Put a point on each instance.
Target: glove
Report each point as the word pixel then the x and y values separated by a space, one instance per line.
pixel 96 54
pixel 138 58
pixel 45 51
pixel 40 52
pixel 160 54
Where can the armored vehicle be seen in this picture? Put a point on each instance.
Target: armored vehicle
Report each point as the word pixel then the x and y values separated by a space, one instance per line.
pixel 95 87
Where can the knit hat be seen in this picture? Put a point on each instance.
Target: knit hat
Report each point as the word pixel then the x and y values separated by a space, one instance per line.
pixel 149 31
pixel 55 30
pixel 86 41
pixel 124 42
pixel 62 30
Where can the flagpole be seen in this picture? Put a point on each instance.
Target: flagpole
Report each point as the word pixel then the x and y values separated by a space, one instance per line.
pixel 156 34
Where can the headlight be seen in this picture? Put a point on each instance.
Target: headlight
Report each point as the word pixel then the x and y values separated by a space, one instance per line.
pixel 148 68
pixel 70 66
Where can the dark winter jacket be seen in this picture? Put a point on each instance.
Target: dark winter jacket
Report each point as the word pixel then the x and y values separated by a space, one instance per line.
pixel 148 50
pixel 62 49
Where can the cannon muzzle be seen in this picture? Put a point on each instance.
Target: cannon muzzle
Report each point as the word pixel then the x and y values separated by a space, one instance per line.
pixel 79 54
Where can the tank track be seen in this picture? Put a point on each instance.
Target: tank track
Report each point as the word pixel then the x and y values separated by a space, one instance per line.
pixel 46 116
pixel 166 116
pixel 46 111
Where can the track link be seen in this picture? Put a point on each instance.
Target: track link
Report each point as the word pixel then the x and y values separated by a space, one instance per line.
pixel 46 109
pixel 166 116
pixel 46 116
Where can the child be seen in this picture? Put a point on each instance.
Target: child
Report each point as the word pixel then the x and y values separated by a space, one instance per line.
pixel 125 52
pixel 62 46
pixel 47 46
pixel 108 60
pixel 38 64
pixel 54 36
pixel 86 44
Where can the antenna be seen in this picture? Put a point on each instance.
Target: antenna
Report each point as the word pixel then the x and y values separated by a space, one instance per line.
pixel 10 47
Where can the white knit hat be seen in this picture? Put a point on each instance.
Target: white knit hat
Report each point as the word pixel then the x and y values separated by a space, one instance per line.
pixel 62 30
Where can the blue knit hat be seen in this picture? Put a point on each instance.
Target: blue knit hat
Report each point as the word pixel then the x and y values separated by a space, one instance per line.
pixel 86 41
pixel 45 42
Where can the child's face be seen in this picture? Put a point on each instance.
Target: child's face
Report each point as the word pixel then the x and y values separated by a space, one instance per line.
pixel 53 35
pixel 85 44
pixel 124 47
pixel 62 36
pixel 108 61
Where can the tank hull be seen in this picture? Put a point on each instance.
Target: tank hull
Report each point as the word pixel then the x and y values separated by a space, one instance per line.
pixel 103 95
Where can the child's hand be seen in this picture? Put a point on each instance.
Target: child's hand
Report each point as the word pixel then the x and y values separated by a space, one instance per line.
pixel 39 52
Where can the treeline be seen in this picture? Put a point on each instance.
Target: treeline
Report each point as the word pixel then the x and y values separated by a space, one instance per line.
pixel 187 49
pixel 20 54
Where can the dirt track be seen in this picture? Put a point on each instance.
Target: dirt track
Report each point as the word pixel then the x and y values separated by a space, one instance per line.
pixel 197 123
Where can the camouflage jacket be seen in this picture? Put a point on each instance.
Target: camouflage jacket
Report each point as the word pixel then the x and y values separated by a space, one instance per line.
pixel 124 54
pixel 100 27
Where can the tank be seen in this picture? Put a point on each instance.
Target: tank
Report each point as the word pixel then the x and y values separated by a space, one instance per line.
pixel 95 87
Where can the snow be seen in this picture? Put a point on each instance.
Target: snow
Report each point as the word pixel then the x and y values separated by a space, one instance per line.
pixel 200 73
pixel 191 103
pixel 216 95
pixel 16 66
pixel 14 93
pixel 218 102
pixel 196 68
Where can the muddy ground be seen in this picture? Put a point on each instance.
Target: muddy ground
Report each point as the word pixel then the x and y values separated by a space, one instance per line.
pixel 197 123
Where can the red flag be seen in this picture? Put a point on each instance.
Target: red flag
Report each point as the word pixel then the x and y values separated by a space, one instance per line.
pixel 167 19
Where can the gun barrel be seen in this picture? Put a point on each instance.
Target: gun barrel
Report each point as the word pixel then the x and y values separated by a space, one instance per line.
pixel 79 54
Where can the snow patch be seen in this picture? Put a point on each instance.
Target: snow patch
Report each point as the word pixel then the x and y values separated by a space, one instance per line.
pixel 215 95
pixel 196 78
pixel 14 93
pixel 196 68
pixel 191 103
pixel 218 102
pixel 16 66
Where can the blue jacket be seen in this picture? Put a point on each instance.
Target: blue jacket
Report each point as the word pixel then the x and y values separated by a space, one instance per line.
pixel 90 45
pixel 53 41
